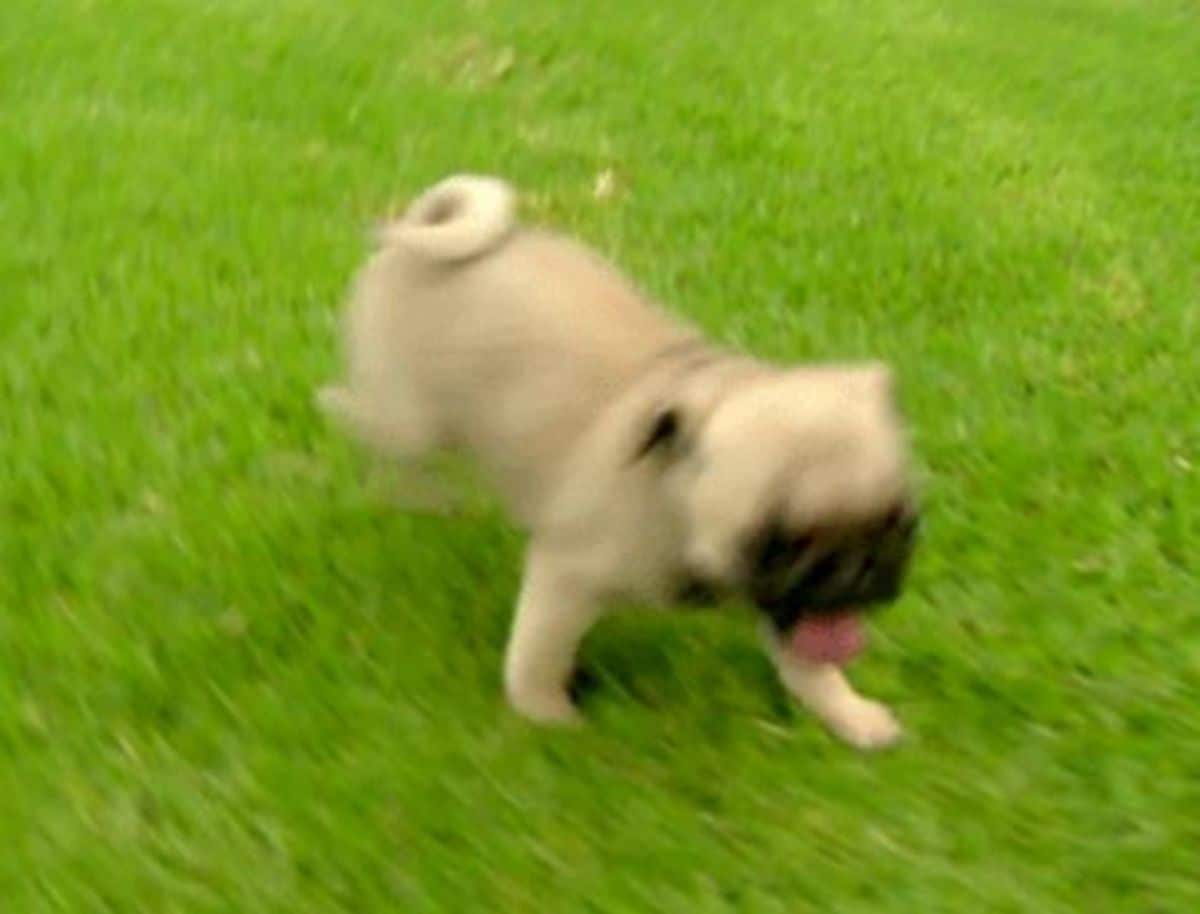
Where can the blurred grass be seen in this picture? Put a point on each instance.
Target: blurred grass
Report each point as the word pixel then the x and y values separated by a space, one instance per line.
pixel 229 680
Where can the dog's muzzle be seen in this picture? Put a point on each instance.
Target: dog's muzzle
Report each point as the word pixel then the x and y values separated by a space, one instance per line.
pixel 829 570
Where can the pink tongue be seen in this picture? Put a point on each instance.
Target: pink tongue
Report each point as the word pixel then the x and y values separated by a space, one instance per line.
pixel 829 639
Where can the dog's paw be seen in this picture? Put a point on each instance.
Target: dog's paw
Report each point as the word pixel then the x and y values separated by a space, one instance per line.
pixel 547 708
pixel 866 724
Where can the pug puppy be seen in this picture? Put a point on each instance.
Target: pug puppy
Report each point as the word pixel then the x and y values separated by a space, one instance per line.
pixel 646 463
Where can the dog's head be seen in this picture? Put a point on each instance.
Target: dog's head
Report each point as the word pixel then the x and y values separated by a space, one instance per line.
pixel 794 488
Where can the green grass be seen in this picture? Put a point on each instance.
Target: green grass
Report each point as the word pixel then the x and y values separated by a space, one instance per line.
pixel 231 680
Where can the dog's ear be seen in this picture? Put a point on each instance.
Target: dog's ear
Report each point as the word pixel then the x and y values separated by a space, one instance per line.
pixel 663 434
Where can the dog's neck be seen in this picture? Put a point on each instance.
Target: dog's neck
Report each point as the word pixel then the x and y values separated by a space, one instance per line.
pixel 691 371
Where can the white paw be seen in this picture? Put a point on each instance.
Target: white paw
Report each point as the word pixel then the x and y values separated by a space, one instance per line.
pixel 549 708
pixel 866 724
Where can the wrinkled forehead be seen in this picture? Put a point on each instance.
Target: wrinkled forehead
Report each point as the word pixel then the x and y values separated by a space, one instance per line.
pixel 842 470
pixel 840 500
pixel 816 436
pixel 792 401
pixel 864 382
pixel 845 473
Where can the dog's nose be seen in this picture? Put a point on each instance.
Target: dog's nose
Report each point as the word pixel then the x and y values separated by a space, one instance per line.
pixel 851 571
pixel 880 581
pixel 773 549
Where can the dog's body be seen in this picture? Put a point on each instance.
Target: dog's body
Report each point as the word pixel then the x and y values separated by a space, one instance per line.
pixel 639 457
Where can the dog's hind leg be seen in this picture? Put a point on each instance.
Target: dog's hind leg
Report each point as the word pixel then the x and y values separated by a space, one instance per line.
pixel 409 472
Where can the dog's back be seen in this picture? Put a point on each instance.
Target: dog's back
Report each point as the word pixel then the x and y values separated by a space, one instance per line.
pixel 469 332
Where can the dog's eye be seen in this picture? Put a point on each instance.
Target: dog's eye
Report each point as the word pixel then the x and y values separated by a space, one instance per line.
pixel 902 519
pixel 824 569
pixel 802 542
pixel 776 548
pixel 893 519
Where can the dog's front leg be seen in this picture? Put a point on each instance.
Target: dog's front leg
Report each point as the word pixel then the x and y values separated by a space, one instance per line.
pixel 554 612
pixel 824 689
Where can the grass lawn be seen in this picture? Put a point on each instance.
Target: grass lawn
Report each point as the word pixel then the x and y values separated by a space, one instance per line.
pixel 231 680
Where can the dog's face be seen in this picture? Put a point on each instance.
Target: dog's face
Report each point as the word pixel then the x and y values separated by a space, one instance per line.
pixel 795 492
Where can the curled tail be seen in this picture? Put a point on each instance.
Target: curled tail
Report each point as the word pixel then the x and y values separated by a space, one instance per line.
pixel 456 219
